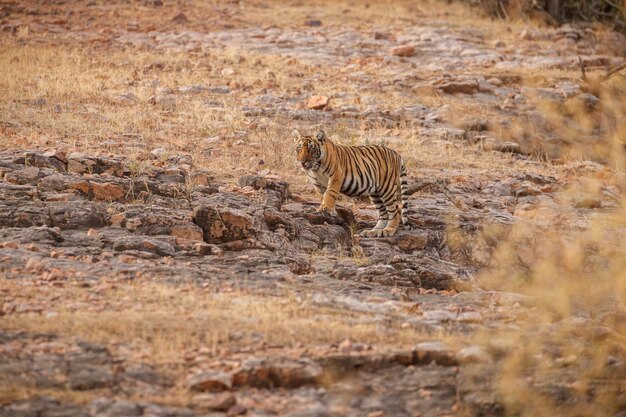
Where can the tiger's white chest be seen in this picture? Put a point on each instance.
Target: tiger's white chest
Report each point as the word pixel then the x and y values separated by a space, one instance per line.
pixel 318 178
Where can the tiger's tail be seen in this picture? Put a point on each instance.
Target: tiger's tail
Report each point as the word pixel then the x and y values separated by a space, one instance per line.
pixel 404 194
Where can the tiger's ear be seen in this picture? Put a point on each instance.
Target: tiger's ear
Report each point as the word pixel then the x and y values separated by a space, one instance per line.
pixel 321 136
pixel 296 135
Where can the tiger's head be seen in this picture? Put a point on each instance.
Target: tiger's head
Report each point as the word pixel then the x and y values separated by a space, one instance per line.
pixel 309 150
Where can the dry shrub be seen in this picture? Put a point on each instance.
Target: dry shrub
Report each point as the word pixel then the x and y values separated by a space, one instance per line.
pixel 586 126
pixel 558 11
pixel 566 354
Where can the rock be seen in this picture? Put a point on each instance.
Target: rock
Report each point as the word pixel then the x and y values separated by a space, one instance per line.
pixel 383 36
pixel 457 86
pixel 82 164
pixel 314 411
pixel 469 317
pixel 144 244
pixel 187 231
pixel 527 189
pixel 53 158
pixel 439 315
pixel 220 225
pixel 105 407
pixel 313 22
pixel 473 354
pixel 88 377
pixel 474 124
pixel 14 193
pixel 279 372
pixel 408 241
pixel 317 102
pixel 437 352
pixel 221 401
pixel 211 381
pixel 587 202
pixel 23 176
pixel 403 51
pixel 193 89
pixel 180 18
pixel 236 410
pixel 107 191
pixel 512 147
pixel 76 215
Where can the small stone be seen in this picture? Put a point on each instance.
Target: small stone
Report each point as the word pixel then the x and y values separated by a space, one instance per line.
pixel 9 245
pixel 457 86
pixel 107 191
pixel 193 89
pixel 376 414
pixel 473 354
pixel 437 352
pixel 313 22
pixel 403 51
pixel 158 152
pixel 383 36
pixel 215 402
pixel 474 124
pixel 207 249
pixel 227 72
pixel 588 202
pixel 345 345
pixel 236 410
pixel 470 317
pixel 201 178
pixel 439 315
pixel 58 153
pixel 92 232
pixel 189 231
pixel 527 189
pixel 317 102
pixel 180 18
pixel 512 147
pixel 90 377
pixel 210 381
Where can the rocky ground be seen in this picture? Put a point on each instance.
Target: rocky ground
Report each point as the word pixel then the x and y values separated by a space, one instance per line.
pixel 160 255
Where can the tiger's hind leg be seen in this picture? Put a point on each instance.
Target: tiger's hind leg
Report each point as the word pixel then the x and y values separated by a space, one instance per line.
pixel 394 220
pixel 382 217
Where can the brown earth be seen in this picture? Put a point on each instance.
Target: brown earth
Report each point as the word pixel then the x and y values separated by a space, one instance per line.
pixel 160 252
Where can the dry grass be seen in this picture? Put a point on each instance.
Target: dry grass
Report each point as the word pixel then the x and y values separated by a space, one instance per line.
pixel 564 270
pixel 163 322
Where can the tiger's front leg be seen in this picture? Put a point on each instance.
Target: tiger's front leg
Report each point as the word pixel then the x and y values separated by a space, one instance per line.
pixel 330 196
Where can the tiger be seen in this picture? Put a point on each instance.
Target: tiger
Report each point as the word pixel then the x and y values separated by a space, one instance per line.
pixel 366 170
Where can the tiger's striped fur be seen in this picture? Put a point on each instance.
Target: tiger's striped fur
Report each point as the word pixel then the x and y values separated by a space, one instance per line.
pixel 369 170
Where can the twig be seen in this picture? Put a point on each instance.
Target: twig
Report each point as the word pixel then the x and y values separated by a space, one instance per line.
pixel 613 71
pixel 582 68
pixel 506 15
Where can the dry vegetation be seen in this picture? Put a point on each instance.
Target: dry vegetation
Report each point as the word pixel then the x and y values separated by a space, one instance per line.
pixel 97 98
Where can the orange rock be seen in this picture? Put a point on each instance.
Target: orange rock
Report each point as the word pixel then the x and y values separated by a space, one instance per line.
pixel 107 191
pixel 402 50
pixel 317 102
pixel 190 232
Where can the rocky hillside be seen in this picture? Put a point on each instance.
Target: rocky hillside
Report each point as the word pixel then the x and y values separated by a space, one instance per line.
pixel 160 252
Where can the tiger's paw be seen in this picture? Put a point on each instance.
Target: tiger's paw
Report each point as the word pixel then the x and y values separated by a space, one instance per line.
pixel 327 210
pixel 372 233
pixel 377 233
